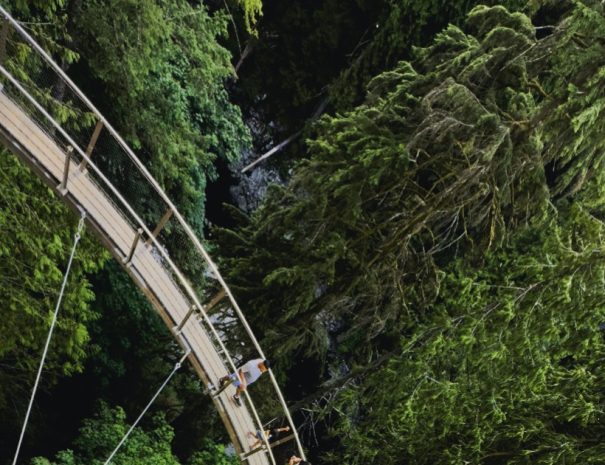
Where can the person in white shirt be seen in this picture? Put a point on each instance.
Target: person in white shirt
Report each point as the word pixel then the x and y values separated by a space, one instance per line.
pixel 247 374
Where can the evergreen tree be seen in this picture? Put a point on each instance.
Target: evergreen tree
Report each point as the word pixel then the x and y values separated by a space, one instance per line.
pixel 505 370
pixel 309 53
pixel 438 254
pixel 430 164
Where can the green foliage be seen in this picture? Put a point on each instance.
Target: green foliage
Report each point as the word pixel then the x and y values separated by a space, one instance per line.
pixel 119 358
pixel 48 23
pixel 438 254
pixel 132 351
pixel 157 71
pixel 441 251
pixel 163 72
pixel 506 369
pixel 575 104
pixel 99 435
pixel 46 20
pixel 307 51
pixel 431 161
pixel 212 454
pixel 301 47
pixel 37 236
pixel 402 23
pixel 252 10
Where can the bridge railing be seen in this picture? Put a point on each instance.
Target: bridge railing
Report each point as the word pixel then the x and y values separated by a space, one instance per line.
pixel 42 88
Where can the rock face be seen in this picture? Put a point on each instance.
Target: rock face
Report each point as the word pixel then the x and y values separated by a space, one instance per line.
pixel 250 188
pixel 245 191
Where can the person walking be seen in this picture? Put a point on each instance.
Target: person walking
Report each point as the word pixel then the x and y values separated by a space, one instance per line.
pixel 247 374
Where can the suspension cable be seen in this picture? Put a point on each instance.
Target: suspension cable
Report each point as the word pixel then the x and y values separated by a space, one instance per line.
pixel 174 370
pixel 50 333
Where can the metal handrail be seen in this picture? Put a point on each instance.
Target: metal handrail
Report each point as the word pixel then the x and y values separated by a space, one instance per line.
pixel 189 232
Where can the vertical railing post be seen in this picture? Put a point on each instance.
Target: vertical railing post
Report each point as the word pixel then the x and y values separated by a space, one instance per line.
pixel 160 225
pixel 215 300
pixel 91 144
pixel 137 236
pixel 181 325
pixel 63 185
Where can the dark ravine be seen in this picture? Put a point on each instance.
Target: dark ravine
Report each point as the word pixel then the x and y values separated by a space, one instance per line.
pixel 242 190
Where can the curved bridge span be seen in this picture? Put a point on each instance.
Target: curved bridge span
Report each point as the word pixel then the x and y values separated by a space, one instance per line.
pixel 39 105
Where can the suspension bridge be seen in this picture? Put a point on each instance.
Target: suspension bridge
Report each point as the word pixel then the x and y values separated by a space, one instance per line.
pixel 198 307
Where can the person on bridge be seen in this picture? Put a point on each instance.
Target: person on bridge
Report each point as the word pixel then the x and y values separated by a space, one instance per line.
pixel 272 435
pixel 247 374
pixel 295 460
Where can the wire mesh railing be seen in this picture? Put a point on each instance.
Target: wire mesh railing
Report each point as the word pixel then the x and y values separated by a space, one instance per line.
pixel 42 89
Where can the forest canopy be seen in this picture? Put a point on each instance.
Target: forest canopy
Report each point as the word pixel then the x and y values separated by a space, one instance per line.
pixel 429 277
pixel 438 254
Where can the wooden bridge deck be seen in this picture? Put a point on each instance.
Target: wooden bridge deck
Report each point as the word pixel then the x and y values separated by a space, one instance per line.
pixel 25 138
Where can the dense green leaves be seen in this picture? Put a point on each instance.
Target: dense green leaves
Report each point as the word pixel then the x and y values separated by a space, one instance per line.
pixel 507 368
pixel 431 162
pixel 157 71
pixel 573 115
pixel 440 252
pixel 163 71
pixel 37 237
pixel 403 23
pixel 252 10
pixel 100 435
pixel 437 258
pixel 308 52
